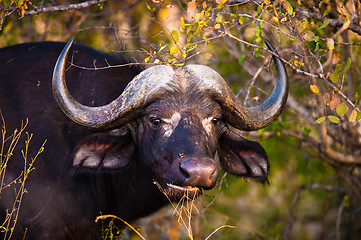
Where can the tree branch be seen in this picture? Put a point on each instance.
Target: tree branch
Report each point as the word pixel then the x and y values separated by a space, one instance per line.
pixel 354 26
pixel 64 7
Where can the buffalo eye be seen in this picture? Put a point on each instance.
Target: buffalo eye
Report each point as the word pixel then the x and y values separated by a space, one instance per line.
pixel 155 122
pixel 216 120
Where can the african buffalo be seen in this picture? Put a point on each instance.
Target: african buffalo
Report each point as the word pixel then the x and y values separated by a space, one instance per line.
pixel 167 125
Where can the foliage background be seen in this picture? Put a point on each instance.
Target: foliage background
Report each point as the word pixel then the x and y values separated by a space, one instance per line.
pixel 314 147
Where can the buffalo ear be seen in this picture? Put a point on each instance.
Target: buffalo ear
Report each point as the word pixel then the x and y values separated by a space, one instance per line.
pixel 243 158
pixel 104 151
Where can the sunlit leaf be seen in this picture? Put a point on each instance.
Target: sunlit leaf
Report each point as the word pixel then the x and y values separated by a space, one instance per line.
pixel 353 115
pixel 221 1
pixel 175 35
pixel 346 23
pixel 173 49
pixel 182 23
pixel 325 23
pixel 191 6
pixel 330 44
pixel 334 102
pixel 320 120
pixel 204 5
pixel 334 77
pixel 358 116
pixel 290 10
pixel 219 18
pixel 314 89
pixel 298 63
pixel 342 109
pixel 336 57
pixel 333 119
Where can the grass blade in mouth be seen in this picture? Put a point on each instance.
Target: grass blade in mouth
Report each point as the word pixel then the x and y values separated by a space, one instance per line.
pixel 181 188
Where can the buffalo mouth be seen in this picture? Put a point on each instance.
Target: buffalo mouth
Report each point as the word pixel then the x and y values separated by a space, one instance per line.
pixel 176 193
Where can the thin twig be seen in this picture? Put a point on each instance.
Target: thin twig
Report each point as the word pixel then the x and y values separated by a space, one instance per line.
pixel 75 6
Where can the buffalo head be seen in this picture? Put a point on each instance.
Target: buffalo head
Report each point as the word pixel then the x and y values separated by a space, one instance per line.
pixel 178 124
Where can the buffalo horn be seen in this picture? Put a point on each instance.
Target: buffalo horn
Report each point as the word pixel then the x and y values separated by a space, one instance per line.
pixel 127 106
pixel 234 113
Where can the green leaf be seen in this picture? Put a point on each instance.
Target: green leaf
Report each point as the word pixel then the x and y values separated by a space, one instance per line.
pixel 320 120
pixel 339 68
pixel 333 119
pixel 327 11
pixel 334 77
pixel 290 10
pixel 242 57
pixel 342 109
pixel 348 65
pixel 7 3
pixel 175 36
pixel 358 116
pixel 325 23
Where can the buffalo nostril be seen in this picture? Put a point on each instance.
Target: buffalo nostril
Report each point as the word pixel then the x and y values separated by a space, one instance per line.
pixel 214 174
pixel 184 171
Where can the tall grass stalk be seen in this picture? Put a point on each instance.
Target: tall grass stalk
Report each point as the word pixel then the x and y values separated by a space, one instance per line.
pixel 7 150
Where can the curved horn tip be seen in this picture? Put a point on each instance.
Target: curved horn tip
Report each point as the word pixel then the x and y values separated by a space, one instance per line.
pixel 269 46
pixel 70 42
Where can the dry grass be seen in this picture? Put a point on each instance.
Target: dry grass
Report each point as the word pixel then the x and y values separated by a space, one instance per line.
pixel 7 149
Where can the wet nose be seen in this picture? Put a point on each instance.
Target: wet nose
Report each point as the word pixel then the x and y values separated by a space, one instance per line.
pixel 198 172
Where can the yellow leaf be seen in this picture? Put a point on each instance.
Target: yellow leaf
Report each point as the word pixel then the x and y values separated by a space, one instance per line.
pixel 221 1
pixel 346 23
pixel 204 5
pixel 314 89
pixel 182 23
pixel 352 117
pixel 173 49
pixel 218 26
pixel 275 19
pixel 298 63
pixel 330 44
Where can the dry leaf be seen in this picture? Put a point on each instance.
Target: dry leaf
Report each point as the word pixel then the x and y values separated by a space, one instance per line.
pixel 191 7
